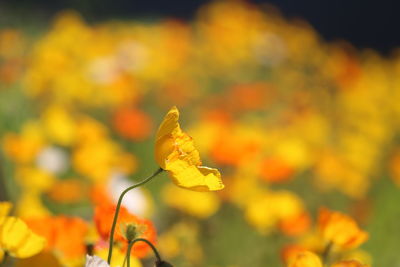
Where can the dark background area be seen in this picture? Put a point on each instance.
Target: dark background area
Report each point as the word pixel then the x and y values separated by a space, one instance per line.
pixel 373 23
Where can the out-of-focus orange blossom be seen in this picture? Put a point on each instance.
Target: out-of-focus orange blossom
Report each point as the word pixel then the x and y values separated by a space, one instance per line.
pixel 132 124
pixel 340 229
pixel 145 229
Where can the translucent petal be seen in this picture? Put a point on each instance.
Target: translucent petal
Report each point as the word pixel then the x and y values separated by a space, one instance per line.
pixel 170 123
pixel 193 177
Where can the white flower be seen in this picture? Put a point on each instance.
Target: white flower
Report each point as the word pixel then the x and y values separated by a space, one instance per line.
pixel 94 261
pixel 53 160
pixel 135 201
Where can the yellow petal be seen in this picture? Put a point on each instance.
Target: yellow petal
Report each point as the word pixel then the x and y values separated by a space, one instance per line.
pixel 164 148
pixel 305 259
pixel 185 149
pixel 175 152
pixel 5 208
pixel 33 245
pixel 193 177
pixel 171 142
pixel 18 239
pixel 170 123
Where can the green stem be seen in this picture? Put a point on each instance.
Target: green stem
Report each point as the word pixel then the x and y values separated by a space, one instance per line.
pixel 128 256
pixel 4 185
pixel 5 259
pixel 111 241
pixel 326 252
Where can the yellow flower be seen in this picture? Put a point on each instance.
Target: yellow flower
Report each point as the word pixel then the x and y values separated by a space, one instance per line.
pixel 182 241
pixel 349 263
pixel 34 179
pixel 15 236
pixel 267 209
pixel 5 208
pixel 305 259
pixel 59 125
pixel 30 205
pixel 199 204
pixel 357 255
pixel 24 147
pixel 175 153
pixel 118 258
pixel 340 229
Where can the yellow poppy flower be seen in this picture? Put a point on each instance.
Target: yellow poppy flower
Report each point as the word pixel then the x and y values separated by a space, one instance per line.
pixel 305 259
pixel 175 153
pixel 17 239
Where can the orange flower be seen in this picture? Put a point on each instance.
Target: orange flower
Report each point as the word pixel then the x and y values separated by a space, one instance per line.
pixel 291 251
pixel 132 123
pixel 68 191
pixel 349 263
pixel 145 229
pixel 65 235
pixel 295 225
pixel 229 149
pixel 253 96
pixel 340 229
pixel 99 196
pixel 276 170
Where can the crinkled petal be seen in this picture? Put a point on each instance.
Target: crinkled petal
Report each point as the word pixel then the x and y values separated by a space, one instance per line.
pixel 193 177
pixel 184 149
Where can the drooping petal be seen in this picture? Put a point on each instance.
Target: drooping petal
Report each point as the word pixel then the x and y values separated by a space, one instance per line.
pixel 175 152
pixel 193 177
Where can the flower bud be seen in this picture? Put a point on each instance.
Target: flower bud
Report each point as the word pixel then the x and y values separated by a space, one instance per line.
pixel 130 232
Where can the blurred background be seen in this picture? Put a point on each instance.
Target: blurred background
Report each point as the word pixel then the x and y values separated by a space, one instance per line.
pixel 296 103
pixel 366 24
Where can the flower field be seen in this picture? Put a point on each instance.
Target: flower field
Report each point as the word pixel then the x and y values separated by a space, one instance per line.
pixel 239 138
